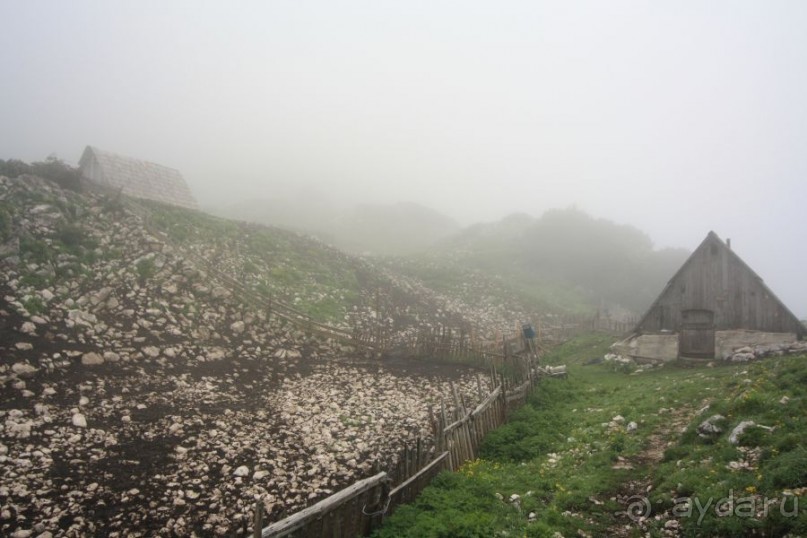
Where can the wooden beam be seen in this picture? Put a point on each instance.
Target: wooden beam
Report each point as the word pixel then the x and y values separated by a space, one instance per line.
pixel 302 518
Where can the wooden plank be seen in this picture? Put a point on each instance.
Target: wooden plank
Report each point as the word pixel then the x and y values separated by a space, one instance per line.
pixel 487 402
pixel 307 515
pixel 456 424
pixel 412 479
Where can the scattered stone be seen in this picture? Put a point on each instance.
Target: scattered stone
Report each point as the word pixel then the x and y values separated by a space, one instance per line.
pixel 23 369
pixel 709 427
pixel 79 420
pixel 92 359
pixel 738 430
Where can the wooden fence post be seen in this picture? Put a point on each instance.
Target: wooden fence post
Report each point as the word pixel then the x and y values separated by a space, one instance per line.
pixel 257 524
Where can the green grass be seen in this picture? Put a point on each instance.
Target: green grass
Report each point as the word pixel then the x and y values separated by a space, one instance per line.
pixel 6 221
pixel 558 452
pixel 278 263
pixel 701 467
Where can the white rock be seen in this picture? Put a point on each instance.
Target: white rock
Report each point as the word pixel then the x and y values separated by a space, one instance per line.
pixel 734 438
pixel 28 328
pixel 82 318
pixel 709 426
pixel 79 420
pixel 632 427
pixel 23 369
pixel 111 356
pixel 91 359
pixel 152 351
pixel 241 471
pixel 219 292
pixel 237 327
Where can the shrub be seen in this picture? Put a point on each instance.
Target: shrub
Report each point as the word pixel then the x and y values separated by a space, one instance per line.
pixel 789 470
pixel 71 236
pixel 6 223
pixel 145 269
pixel 57 171
pixel 14 168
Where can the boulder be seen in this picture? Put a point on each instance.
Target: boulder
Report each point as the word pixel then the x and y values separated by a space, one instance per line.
pixel 91 359
pixel 740 429
pixel 710 427
pixel 23 369
pixel 79 420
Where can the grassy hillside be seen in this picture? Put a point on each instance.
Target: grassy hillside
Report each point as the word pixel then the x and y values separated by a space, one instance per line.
pixel 610 452
pixel 564 261
pixel 144 393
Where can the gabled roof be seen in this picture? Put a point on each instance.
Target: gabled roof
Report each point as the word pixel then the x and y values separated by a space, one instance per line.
pixel 135 177
pixel 713 239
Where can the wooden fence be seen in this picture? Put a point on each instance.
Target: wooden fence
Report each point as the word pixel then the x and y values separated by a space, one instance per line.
pixel 559 329
pixel 362 507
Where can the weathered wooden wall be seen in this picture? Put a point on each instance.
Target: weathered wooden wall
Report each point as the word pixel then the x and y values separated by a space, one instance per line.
pixel 716 279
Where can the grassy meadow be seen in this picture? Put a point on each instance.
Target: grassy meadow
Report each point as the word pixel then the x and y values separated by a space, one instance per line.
pixel 616 451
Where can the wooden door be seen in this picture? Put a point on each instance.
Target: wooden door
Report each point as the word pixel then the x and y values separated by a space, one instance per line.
pixel 697 336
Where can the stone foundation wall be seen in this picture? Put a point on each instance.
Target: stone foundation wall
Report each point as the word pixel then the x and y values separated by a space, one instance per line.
pixel 664 347
pixel 728 341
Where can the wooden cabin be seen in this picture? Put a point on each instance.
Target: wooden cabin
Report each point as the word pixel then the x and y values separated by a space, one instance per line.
pixel 714 303
pixel 135 177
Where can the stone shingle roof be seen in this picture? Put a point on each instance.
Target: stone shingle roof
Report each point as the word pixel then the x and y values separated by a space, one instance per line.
pixel 133 177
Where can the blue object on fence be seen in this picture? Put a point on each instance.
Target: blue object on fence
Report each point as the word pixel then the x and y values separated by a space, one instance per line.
pixel 528 331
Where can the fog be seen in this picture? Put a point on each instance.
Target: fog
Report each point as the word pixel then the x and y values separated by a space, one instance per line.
pixel 677 118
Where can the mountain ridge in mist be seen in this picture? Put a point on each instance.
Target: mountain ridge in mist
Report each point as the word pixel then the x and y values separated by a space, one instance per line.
pixel 566 254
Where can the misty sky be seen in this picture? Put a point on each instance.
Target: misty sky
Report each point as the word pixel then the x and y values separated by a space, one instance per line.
pixel 676 117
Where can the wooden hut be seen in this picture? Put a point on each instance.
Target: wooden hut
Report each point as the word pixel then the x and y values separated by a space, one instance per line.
pixel 135 177
pixel 713 304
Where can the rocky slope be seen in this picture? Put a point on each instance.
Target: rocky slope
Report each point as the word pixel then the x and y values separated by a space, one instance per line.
pixel 140 396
